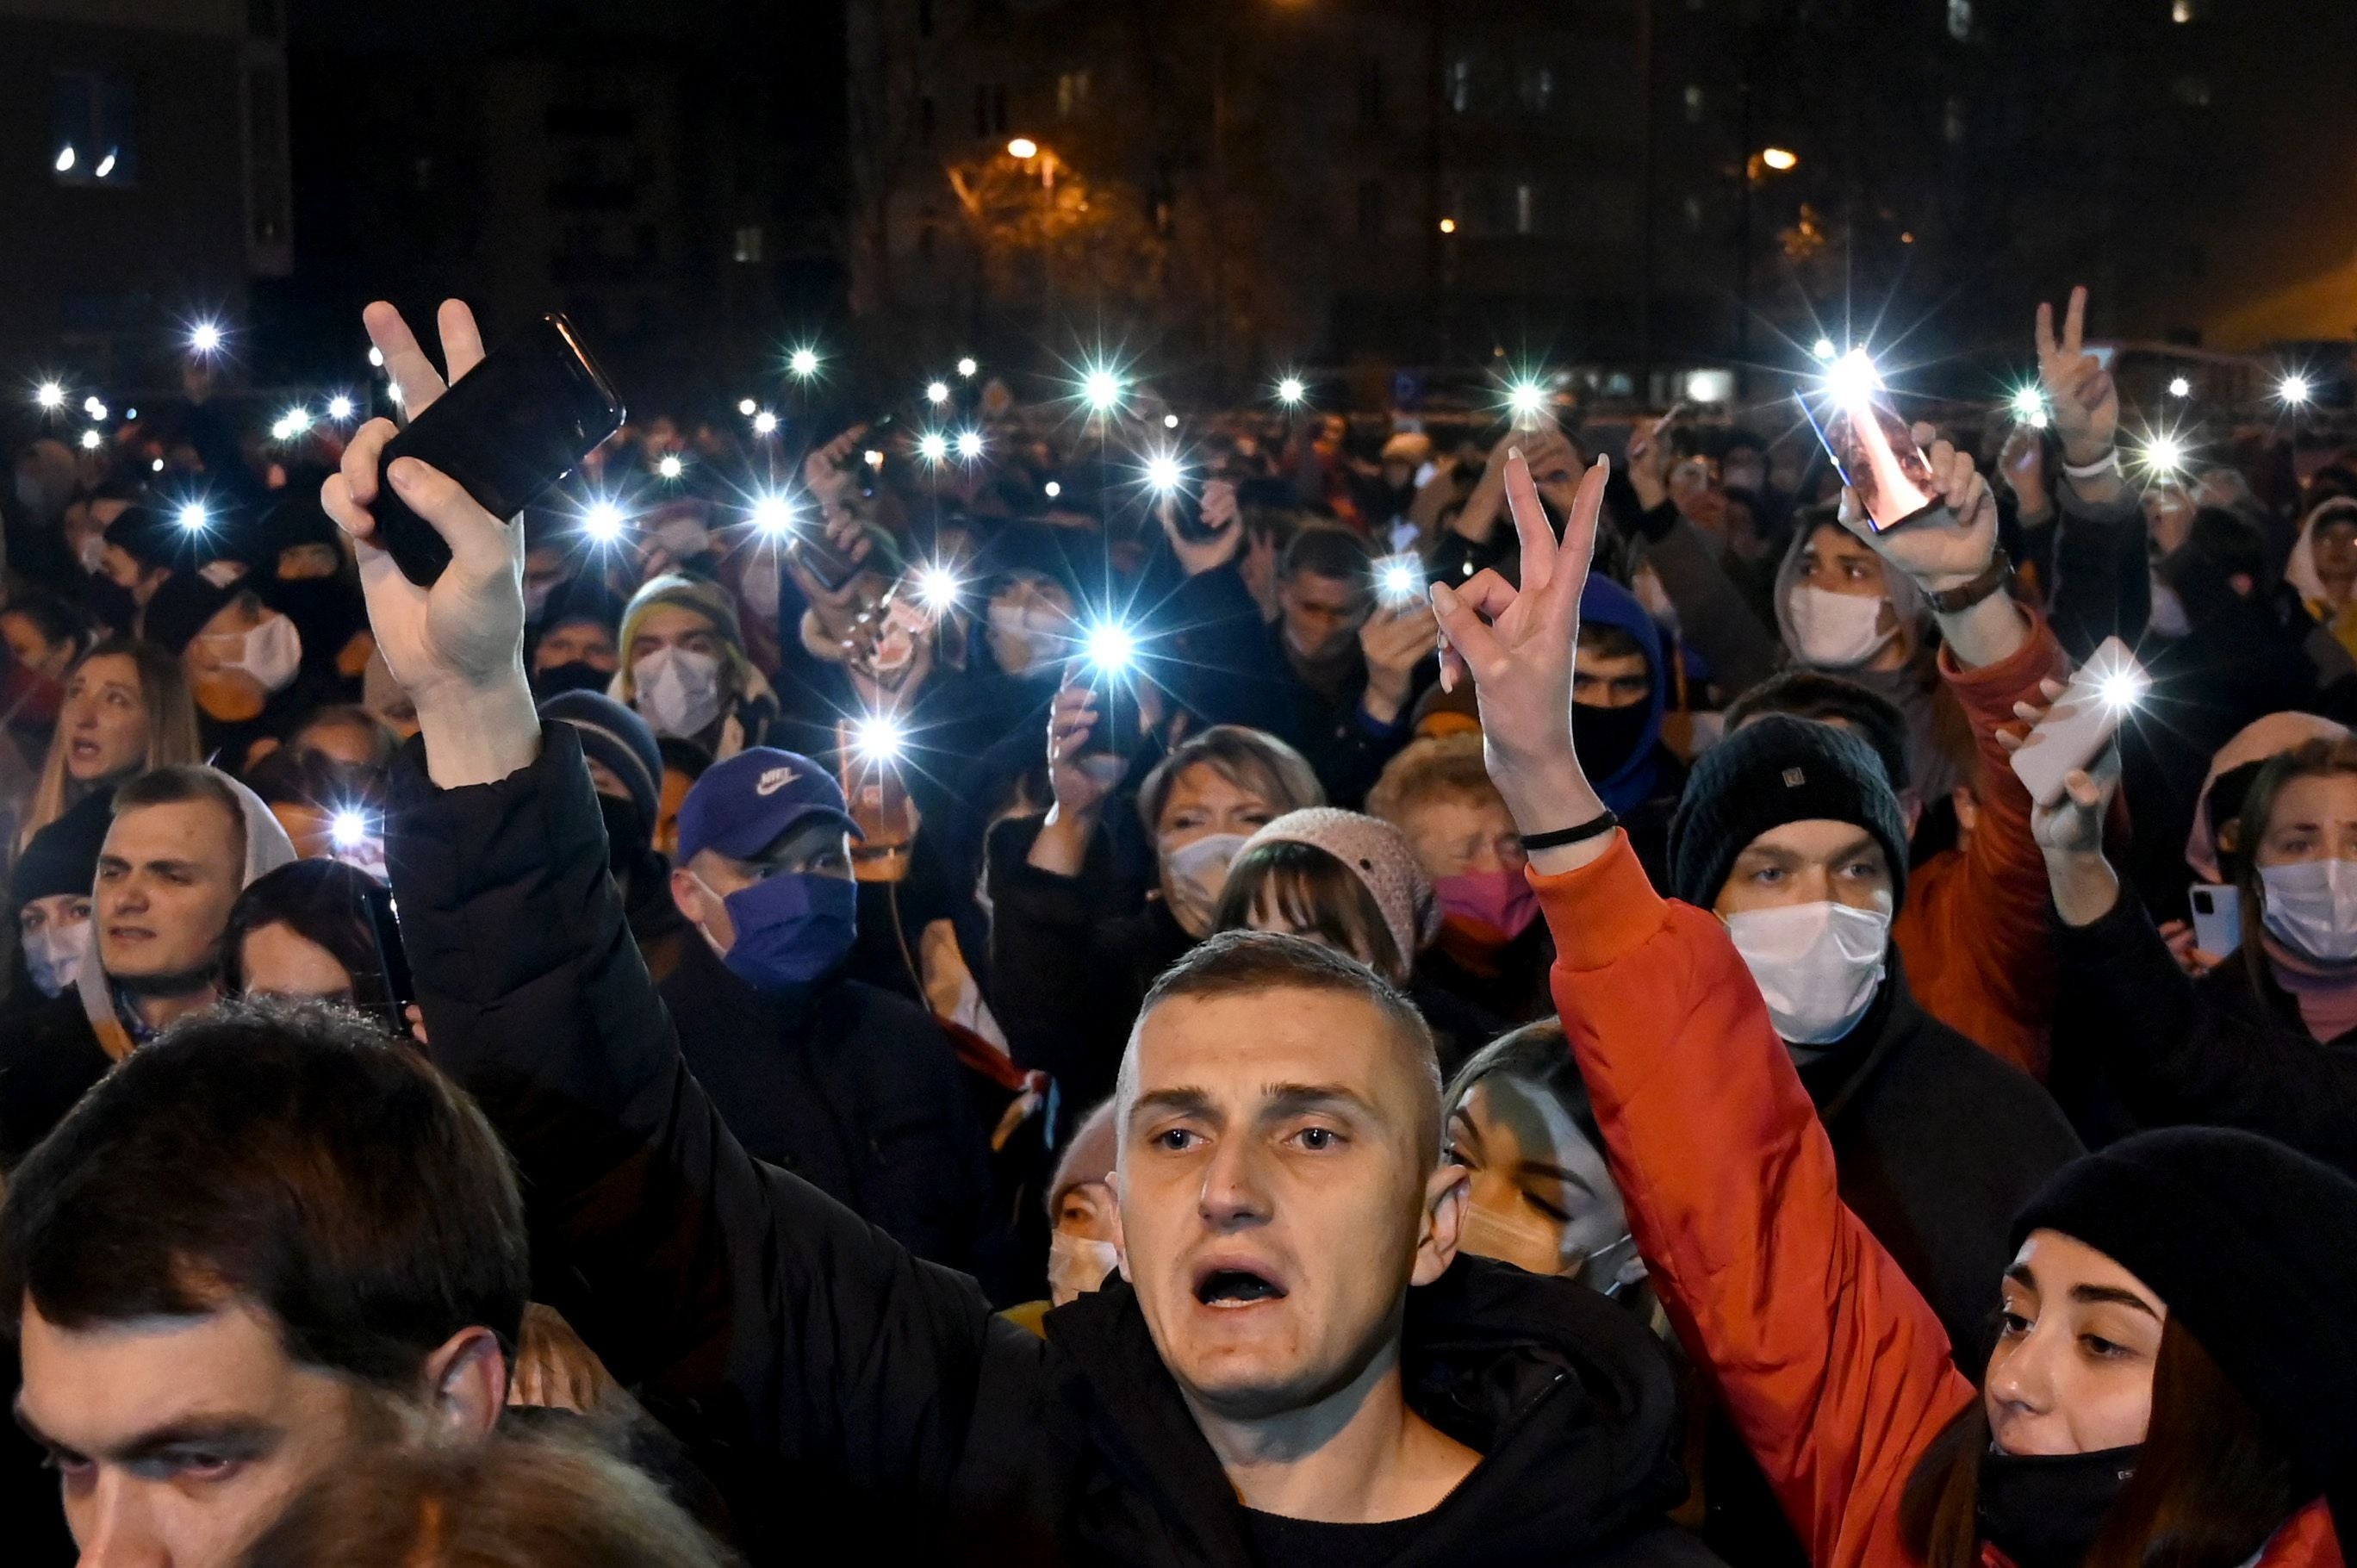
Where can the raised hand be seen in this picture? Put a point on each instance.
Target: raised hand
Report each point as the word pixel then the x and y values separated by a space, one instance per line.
pixel 1220 520
pixel 2086 404
pixel 2071 832
pixel 1516 644
pixel 456 647
pixel 1949 547
pixel 1393 642
pixel 2022 461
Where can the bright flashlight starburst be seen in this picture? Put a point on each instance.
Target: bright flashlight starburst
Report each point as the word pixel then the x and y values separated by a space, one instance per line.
pixel 2178 386
pixel 1290 391
pixel 348 828
pixel 765 423
pixel 969 445
pixel 773 516
pixel 932 446
pixel 671 467
pixel 604 521
pixel 2163 454
pixel 937 392
pixel 879 737
pixel 2123 688
pixel 1400 578
pixel 968 366
pixel 340 408
pixel 1101 389
pixel 297 420
pixel 1051 490
pixel 205 338
pixel 1525 398
pixel 2293 389
pixel 94 406
pixel 1163 472
pixel 50 395
pixel 1111 647
pixel 1852 379
pixel 92 440
pixel 938 587
pixel 804 362
pixel 1822 351
pixel 746 405
pixel 193 517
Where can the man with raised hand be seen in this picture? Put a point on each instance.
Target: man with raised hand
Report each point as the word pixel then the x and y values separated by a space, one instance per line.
pixel 1294 1366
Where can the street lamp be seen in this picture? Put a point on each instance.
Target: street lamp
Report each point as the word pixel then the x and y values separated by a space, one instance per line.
pixel 1783 160
pixel 1023 148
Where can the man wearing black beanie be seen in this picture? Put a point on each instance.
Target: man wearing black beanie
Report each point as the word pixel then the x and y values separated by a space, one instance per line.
pixel 1790 834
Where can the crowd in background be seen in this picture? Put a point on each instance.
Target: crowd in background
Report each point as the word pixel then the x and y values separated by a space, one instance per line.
pixel 919 769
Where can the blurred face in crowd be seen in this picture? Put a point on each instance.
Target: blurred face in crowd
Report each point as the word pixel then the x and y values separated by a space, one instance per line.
pixel 700 888
pixel 1455 831
pixel 576 642
pixel 1030 621
pixel 308 563
pixel 342 741
pixel 2072 1369
pixel 1321 613
pixel 124 570
pixel 1601 680
pixel 31 650
pixel 1278 1192
pixel 1814 862
pixel 227 693
pixel 166 877
pixel 2314 818
pixel 279 961
pixel 1539 1196
pixel 56 912
pixel 1745 469
pixel 1839 562
pixel 1203 801
pixel 2334 542
pixel 104 722
pixel 674 626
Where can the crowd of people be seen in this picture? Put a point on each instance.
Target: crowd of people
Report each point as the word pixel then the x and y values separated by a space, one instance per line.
pixel 1407 993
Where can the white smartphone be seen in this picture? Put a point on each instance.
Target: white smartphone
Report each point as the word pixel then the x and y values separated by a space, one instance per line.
pixel 2217 918
pixel 2106 689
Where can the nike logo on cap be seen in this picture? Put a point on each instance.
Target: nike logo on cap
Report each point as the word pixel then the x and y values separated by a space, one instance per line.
pixel 775 779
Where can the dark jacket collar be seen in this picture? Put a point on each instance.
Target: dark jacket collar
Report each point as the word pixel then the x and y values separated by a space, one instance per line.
pixel 1836 1079
pixel 1569 1398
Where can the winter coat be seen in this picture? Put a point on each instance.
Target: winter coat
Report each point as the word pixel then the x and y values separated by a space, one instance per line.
pixel 1974 926
pixel 1833 1366
pixel 2213 1051
pixel 836 1387
pixel 50 1056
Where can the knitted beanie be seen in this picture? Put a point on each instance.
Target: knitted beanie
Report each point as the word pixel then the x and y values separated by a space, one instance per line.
pixel 2253 1246
pixel 616 737
pixel 1378 854
pixel 1777 769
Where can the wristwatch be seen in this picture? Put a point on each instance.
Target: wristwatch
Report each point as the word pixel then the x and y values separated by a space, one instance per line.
pixel 1964 595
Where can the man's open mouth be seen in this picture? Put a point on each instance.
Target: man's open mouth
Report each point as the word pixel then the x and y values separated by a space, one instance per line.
pixel 1236 1287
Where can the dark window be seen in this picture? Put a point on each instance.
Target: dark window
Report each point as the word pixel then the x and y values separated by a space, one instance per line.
pixel 92 133
pixel 924 18
pixel 925 119
pixel 1371 94
pixel 1371 210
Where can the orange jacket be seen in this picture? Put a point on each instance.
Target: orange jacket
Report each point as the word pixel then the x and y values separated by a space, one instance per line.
pixel 1972 930
pixel 1831 1368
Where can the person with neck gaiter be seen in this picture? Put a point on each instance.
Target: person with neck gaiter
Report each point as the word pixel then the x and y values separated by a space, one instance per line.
pixel 2268 1039
pixel 182 842
pixel 2172 1370
pixel 1619 693
pixel 1492 948
pixel 853 1089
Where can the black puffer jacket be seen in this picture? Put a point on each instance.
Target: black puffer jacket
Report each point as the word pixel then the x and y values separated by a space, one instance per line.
pixel 829 1381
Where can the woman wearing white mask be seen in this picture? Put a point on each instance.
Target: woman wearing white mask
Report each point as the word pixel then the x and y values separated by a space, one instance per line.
pixel 2268 1040
pixel 50 888
pixel 685 670
pixel 1790 833
pixel 242 659
pixel 1073 945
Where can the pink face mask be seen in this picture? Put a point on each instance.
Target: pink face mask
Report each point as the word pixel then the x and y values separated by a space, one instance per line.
pixel 1501 900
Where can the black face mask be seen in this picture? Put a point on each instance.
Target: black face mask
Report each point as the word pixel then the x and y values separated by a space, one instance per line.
pixel 111 602
pixel 2043 1511
pixel 576 676
pixel 1606 738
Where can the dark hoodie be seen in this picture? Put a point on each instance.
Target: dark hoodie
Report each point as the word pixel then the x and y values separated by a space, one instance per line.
pixel 1637 776
pixel 826 1378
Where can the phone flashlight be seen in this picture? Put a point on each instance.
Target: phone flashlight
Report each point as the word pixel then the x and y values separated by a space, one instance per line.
pixel 2029 407
pixel 938 588
pixel 2179 386
pixel 1525 400
pixel 969 444
pixel 879 737
pixel 205 338
pixel 937 392
pixel 604 521
pixel 348 828
pixel 968 366
pixel 192 516
pixel 1110 647
pixel 773 516
pixel 2293 389
pixel 1290 391
pixel 92 440
pixel 340 408
pixel 932 446
pixel 94 406
pixel 1399 580
pixel 670 467
pixel 50 395
pixel 1101 389
pixel 1822 351
pixel 804 363
pixel 1872 450
pixel 1164 474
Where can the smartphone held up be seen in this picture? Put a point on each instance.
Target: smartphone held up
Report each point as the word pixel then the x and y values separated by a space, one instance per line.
pixel 2081 724
pixel 1871 444
pixel 507 431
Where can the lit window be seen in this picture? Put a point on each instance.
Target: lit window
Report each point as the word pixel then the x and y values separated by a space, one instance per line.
pixel 1460 85
pixel 1693 105
pixel 2184 11
pixel 748 244
pixel 1960 19
pixel 1526 205
pixel 92 139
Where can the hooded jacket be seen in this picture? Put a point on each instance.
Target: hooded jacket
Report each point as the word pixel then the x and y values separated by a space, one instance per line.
pixel 51 1056
pixel 1831 1364
pixel 828 1379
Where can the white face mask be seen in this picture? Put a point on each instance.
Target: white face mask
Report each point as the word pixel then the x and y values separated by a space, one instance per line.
pixel 92 552
pixel 682 538
pixel 1034 630
pixel 1193 877
pixel 1836 631
pixel 2169 617
pixel 54 954
pixel 271 652
pixel 1077 1265
pixel 677 690
pixel 761 592
pixel 1817 965
pixel 2311 908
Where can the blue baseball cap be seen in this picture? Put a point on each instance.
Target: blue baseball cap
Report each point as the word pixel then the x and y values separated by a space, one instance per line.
pixel 740 807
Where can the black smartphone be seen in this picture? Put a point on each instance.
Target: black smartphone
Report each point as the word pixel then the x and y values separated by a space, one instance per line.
pixel 818 556
pixel 393 959
pixel 1116 732
pixel 512 427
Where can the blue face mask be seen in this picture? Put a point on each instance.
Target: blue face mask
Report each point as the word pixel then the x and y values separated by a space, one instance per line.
pixel 791 928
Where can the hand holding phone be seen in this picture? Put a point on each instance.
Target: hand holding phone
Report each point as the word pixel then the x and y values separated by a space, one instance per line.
pixel 506 429
pixel 2081 724
pixel 2217 917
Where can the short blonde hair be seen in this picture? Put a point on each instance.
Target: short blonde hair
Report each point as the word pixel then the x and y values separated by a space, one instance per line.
pixel 1446 766
pixel 1248 759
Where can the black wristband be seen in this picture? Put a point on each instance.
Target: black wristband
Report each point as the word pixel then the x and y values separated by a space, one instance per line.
pixel 1594 827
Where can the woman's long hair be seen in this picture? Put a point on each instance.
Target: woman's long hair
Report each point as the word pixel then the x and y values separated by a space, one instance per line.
pixel 2318 758
pixel 2210 1485
pixel 171 728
